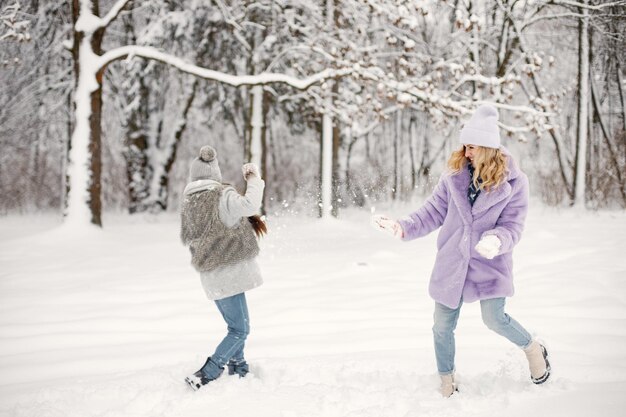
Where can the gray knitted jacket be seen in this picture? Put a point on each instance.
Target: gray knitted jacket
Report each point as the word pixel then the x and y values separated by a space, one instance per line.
pixel 222 242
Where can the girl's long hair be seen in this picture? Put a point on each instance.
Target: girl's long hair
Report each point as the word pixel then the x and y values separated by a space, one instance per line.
pixel 259 226
pixel 489 164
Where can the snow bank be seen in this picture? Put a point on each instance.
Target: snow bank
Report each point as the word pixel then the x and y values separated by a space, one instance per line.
pixel 108 323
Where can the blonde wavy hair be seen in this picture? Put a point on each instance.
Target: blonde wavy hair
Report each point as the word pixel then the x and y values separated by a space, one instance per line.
pixel 489 164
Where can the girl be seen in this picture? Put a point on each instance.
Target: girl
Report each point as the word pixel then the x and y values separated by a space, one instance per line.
pixel 480 205
pixel 221 227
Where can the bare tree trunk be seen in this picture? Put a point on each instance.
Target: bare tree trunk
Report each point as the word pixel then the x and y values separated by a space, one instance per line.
pixel 412 122
pixel 622 95
pixel 326 161
pixel 335 161
pixel 583 108
pixel 94 202
pixel 95 147
pixel 328 132
pixel 474 47
pixel 78 37
pixel 607 139
pixel 426 161
pixel 265 142
pixel 247 120
pixel 357 195
pixel 274 153
pixel 65 180
pixel 321 132
pixel 256 125
pixel 396 154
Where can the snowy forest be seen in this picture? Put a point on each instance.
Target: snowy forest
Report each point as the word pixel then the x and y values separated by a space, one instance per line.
pixel 341 103
pixel 350 109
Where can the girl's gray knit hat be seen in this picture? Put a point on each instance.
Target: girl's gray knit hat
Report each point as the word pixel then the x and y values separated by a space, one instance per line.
pixel 205 167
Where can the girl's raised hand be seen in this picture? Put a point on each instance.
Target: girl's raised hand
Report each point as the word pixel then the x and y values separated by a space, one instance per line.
pixel 385 224
pixel 250 169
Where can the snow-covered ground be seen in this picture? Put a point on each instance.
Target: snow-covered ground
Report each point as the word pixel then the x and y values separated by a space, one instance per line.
pixel 108 323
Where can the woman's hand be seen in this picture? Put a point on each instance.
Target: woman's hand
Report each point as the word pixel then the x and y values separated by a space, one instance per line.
pixel 385 224
pixel 249 170
pixel 489 246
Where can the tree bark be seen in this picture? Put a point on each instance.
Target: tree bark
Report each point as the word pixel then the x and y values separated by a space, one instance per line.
pixel 412 122
pixel 607 139
pixel 396 155
pixel 256 125
pixel 583 108
pixel 622 95
pixel 265 143
pixel 94 147
pixel 326 161
pixel 95 152
pixel 335 176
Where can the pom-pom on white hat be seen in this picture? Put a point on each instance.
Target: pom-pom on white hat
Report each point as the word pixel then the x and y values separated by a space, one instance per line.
pixel 482 128
pixel 205 166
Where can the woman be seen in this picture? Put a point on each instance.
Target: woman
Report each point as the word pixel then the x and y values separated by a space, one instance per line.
pixel 221 227
pixel 481 206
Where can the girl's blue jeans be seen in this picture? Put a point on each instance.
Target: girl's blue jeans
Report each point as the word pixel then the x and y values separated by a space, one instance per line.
pixel 493 316
pixel 234 310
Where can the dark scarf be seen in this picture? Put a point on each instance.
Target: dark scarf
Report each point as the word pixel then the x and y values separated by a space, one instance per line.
pixel 472 191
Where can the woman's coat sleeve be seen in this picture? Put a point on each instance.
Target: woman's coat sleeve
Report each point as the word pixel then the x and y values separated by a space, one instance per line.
pixel 510 224
pixel 430 216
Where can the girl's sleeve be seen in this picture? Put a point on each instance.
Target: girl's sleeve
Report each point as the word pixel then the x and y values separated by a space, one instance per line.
pixel 430 216
pixel 510 224
pixel 234 206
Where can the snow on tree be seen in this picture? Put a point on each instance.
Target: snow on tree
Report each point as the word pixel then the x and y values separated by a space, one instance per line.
pixel 90 62
pixel 399 68
pixel 36 84
pixel 12 26
pixel 397 79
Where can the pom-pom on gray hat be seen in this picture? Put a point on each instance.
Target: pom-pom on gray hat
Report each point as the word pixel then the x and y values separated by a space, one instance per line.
pixel 205 166
pixel 482 128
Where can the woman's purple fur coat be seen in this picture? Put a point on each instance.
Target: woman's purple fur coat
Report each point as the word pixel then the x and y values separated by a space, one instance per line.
pixel 459 271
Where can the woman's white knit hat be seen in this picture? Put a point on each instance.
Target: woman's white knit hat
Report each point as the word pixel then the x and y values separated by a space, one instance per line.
pixel 482 128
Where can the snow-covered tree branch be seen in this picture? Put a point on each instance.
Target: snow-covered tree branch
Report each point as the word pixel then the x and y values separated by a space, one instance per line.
pixel 86 188
pixel 383 85
pixel 585 5
pixel 12 24
pixel 232 80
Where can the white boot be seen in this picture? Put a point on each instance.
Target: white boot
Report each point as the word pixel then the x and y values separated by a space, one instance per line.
pixel 537 356
pixel 448 386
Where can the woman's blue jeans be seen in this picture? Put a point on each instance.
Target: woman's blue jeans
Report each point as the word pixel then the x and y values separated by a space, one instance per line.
pixel 493 316
pixel 234 310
